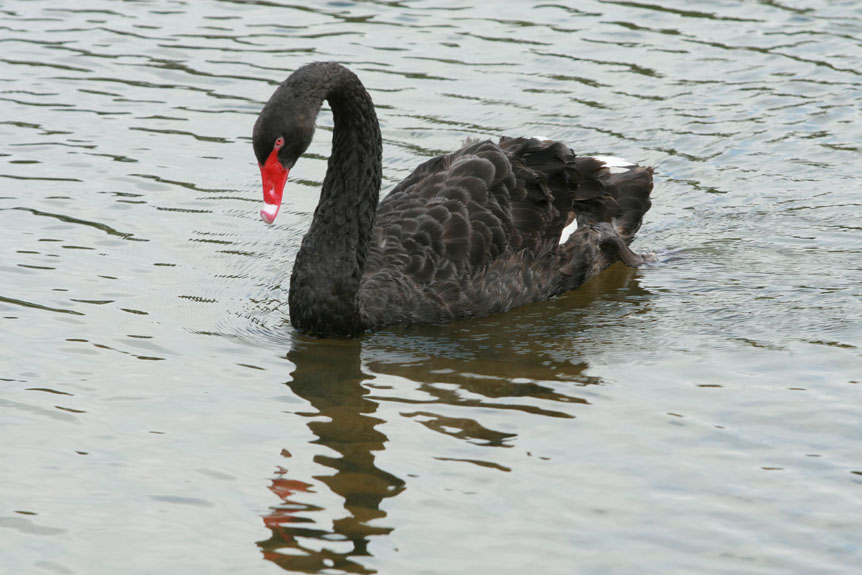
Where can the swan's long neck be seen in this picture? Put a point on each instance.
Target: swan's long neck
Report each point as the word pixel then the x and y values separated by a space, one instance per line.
pixel 330 262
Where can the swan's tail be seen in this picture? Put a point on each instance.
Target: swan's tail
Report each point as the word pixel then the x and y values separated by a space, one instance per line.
pixel 586 191
pixel 628 184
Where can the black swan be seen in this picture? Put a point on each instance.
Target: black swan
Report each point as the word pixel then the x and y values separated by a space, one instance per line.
pixel 468 234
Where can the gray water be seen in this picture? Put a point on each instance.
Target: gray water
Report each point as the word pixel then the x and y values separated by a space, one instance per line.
pixel 158 414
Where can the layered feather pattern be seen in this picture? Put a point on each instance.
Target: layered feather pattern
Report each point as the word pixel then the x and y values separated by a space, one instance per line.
pixel 477 231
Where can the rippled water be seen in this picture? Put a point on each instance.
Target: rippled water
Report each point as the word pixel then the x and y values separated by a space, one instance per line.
pixel 158 413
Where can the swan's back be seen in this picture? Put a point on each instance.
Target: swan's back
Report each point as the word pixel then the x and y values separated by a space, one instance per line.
pixel 477 231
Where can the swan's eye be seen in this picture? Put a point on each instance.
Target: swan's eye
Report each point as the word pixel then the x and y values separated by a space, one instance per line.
pixel 279 143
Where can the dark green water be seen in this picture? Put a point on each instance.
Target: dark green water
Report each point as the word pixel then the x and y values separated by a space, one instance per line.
pixel 157 413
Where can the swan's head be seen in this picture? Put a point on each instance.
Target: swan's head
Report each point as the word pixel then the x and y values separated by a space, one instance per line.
pixel 282 132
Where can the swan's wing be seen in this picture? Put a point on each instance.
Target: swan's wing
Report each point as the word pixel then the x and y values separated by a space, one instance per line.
pixel 456 214
pixel 477 231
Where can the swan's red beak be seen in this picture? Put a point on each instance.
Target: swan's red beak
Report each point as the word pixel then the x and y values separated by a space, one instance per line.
pixel 274 175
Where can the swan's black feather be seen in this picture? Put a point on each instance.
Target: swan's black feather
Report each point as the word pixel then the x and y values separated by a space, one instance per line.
pixel 478 231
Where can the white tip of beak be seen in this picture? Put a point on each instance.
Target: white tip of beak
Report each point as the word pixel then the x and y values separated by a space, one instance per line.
pixel 269 212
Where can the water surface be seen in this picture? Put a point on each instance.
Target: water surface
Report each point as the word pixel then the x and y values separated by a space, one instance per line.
pixel 158 412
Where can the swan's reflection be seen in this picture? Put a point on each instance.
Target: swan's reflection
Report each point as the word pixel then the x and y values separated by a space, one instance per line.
pixel 530 360
pixel 328 375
